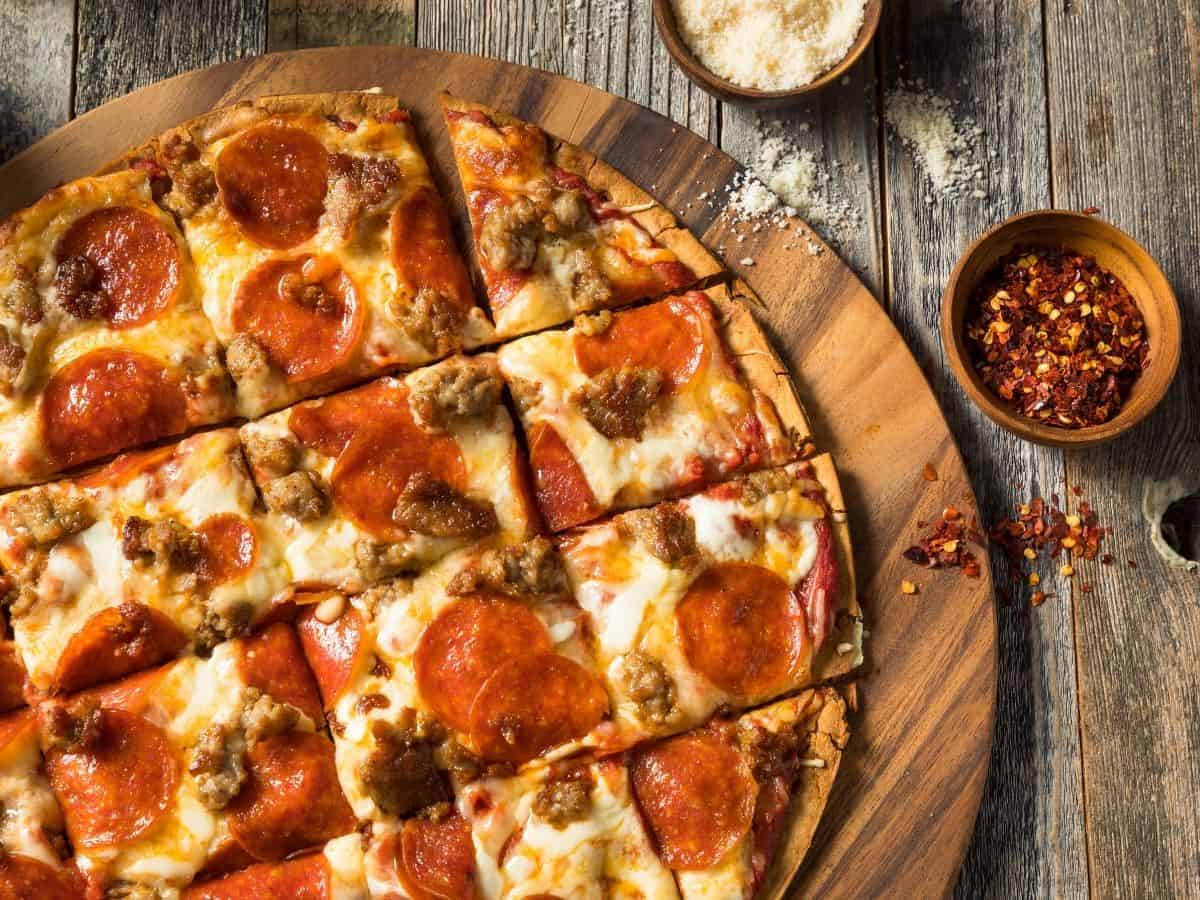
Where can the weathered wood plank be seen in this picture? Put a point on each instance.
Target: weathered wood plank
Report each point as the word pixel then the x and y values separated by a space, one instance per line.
pixel 125 45
pixel 296 24
pixel 35 70
pixel 1124 139
pixel 1030 836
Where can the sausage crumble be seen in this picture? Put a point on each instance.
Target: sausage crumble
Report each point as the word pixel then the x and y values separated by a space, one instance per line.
pixel 45 517
pixel 524 570
pixel 428 505
pixel 618 402
pixel 301 495
pixel 453 392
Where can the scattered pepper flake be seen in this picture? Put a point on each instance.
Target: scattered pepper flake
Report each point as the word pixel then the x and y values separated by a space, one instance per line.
pixel 930 472
pixel 945 546
pixel 1038 598
pixel 907 587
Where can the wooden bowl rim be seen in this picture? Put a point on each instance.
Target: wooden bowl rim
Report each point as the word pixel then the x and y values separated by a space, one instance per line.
pixel 710 82
pixel 1167 351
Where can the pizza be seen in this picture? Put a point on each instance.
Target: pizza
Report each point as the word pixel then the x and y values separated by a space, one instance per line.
pixel 628 408
pixel 558 232
pixel 321 245
pixel 103 343
pixel 722 600
pixel 121 568
pixel 12 670
pixel 195 768
pixel 335 872
pixel 33 853
pixel 388 477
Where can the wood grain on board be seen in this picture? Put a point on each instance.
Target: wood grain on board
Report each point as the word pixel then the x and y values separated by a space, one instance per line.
pixel 902 814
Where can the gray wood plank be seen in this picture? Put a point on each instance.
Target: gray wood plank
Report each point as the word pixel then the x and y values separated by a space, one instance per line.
pixel 1125 139
pixel 35 70
pixel 1029 840
pixel 297 24
pixel 125 44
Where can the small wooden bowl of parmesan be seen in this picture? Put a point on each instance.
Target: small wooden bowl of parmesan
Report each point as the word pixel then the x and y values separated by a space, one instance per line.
pixel 766 53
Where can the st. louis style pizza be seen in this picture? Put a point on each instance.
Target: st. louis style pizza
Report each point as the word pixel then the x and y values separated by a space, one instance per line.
pixel 316 582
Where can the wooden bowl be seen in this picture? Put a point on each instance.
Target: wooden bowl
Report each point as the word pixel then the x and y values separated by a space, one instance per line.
pixel 1113 250
pixel 668 29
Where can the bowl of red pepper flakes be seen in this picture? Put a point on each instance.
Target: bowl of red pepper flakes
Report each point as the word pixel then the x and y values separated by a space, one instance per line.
pixel 1061 328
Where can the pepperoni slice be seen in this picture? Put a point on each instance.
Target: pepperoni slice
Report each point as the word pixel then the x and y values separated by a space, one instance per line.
pixel 334 651
pixel 436 860
pixel 291 799
pixel 115 642
pixel 742 627
pixel 563 493
pixel 273 180
pixel 117 790
pixel 108 400
pixel 305 312
pixel 820 592
pixel 136 262
pixel 465 644
pixel 667 336
pixel 533 703
pixel 228 549
pixel 23 877
pixel 697 794
pixel 374 468
pixel 305 878
pixel 327 425
pixel 128 466
pixel 423 249
pixel 12 678
pixel 272 662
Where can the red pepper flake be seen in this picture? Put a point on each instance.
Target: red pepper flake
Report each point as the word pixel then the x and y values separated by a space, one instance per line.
pixel 1132 564
pixel 1090 210
pixel 946 545
pixel 1086 588
pixel 1039 597
pixel 930 472
pixel 1056 337
pixel 1106 559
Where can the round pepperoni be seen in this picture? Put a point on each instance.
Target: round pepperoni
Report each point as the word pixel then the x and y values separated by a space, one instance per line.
pixel 273 180
pixel 465 644
pixel 228 549
pixel 436 860
pixel 305 312
pixel 107 400
pixel 666 336
pixel 327 425
pixel 136 262
pixel 742 627
pixel 423 249
pixel 306 878
pixel 115 642
pixel 697 794
pixel 533 703
pixel 563 493
pixel 272 662
pixel 291 799
pixel 334 650
pixel 23 877
pixel 374 468
pixel 116 790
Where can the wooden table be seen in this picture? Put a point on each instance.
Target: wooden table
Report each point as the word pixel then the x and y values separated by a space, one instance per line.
pixel 1096 768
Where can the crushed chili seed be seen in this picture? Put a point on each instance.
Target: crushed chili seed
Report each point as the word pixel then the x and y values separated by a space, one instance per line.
pixel 1038 598
pixel 1056 337
pixel 946 545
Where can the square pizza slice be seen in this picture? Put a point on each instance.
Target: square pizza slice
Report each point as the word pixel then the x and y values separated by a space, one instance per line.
pixel 322 246
pixel 628 408
pixel 559 232
pixel 197 768
pixel 334 873
pixel 388 477
pixel 724 803
pixel 33 850
pixel 482 663
pixel 724 599
pixel 124 567
pixel 571 829
pixel 103 342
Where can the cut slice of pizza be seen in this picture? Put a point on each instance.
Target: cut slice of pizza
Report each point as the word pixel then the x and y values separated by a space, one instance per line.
pixel 321 243
pixel 388 477
pixel 197 768
pixel 33 851
pixel 481 661
pixel 557 231
pixel 119 569
pixel 334 873
pixel 103 343
pixel 628 408
pixel 567 830
pixel 724 802
pixel 724 599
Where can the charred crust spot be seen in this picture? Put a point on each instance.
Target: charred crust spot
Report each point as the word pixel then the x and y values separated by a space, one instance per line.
pixel 429 506
pixel 618 402
pixel 165 544
pixel 74 726
pixel 400 775
pixel 454 392
pixel 666 531
pixel 45 517
pixel 529 569
pixel 301 495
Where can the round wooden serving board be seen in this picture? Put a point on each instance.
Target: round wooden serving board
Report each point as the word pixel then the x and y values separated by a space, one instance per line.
pixel 903 808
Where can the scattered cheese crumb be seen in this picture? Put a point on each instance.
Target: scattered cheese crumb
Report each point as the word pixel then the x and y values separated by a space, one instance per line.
pixel 747 260
pixel 944 145
pixel 907 587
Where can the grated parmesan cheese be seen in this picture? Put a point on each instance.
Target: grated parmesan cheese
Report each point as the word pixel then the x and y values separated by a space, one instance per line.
pixel 771 45
pixel 943 145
